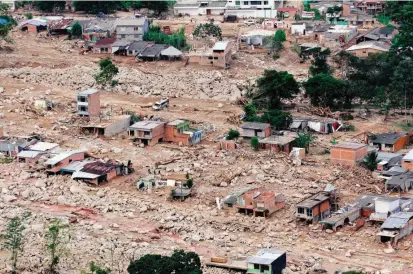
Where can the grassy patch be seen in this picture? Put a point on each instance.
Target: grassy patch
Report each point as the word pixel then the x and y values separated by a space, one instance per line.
pixel 408 127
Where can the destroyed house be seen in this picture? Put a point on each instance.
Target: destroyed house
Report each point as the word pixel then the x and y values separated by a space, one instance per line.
pixel 343 216
pixel 148 132
pixel 28 156
pixel 390 142
pixel 230 201
pixel 396 227
pixel 181 193
pixel 325 126
pixel 407 161
pixel 388 160
pixel 137 47
pixel 278 143
pixel 108 128
pixel 251 129
pixel 392 172
pixel 347 153
pixel 97 172
pixel 402 182
pixel 267 261
pixel 259 202
pixel 151 53
pixel 99 28
pixel 314 208
pixel 54 165
pixel 88 103
pixel 179 131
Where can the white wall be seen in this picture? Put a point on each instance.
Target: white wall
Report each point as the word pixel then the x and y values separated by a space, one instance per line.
pixel 297 29
pixel 252 13
pixel 183 11
pixel 383 206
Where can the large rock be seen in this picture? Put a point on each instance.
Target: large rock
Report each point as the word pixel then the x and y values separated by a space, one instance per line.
pixel 26 193
pixel 100 194
pixel 25 175
pixel 61 200
pixel 40 184
pixel 9 198
pixel 76 190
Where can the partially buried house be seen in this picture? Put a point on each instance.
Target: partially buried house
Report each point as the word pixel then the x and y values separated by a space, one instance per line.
pixel 396 227
pixel 259 202
pixel 314 208
pixel 108 128
pixel 148 132
pixel 55 164
pixel 97 172
pixel 180 131
pixel 253 129
pixel 267 261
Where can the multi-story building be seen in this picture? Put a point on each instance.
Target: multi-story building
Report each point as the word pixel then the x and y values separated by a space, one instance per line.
pixel 88 103
pixel 370 6
pixel 131 29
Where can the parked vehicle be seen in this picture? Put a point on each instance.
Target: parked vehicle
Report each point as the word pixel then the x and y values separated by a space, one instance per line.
pixel 163 103
pixel 249 22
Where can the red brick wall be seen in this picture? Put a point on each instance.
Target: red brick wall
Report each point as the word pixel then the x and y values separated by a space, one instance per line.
pixel 94 104
pixel 401 143
pixel 111 175
pixel 31 28
pixel 347 156
pixel 172 135
pixel 267 131
pixel 158 132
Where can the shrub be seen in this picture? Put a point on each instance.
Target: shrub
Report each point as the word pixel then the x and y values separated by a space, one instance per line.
pixel 255 143
pixel 233 134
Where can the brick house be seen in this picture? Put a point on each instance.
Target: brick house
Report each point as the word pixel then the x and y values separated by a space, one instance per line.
pixel 251 129
pixel 97 172
pixel 179 131
pixel 221 53
pixel 278 143
pixel 314 208
pixel 347 153
pixel 104 45
pixel 259 202
pixel 148 132
pixel 88 103
pixel 54 164
pixel 367 48
pixel 390 142
pixel 29 157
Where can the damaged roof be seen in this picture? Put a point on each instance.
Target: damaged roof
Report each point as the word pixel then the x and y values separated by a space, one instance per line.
pixel 278 140
pixel 99 168
pixel 255 125
pixel 43 146
pixel 387 138
pixel 146 125
pixel 314 200
pixel 266 256
pixel 397 220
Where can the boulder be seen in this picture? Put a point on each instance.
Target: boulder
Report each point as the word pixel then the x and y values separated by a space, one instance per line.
pixel 40 184
pixel 76 189
pixel 61 200
pixel 25 175
pixel 9 198
pixel 100 194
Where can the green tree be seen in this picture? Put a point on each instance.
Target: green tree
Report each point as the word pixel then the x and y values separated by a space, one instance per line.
pixel 304 140
pixel 156 6
pixel 28 16
pixel 276 42
pixel 95 7
pixel 250 109
pixel 319 64
pixel 370 161
pixel 107 71
pixel 76 30
pixel 275 86
pixel 404 40
pixel 8 26
pixel 208 29
pixel 50 6
pixel 96 269
pixel 401 85
pixel 278 119
pixel 13 238
pixel 255 143
pixel 326 91
pixel 232 134
pixel 180 262
pixel 56 237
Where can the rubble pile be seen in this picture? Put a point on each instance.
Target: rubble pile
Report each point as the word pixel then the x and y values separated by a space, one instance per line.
pixel 186 82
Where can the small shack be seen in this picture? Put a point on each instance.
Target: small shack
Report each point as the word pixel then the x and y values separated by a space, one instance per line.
pixel 269 261
pixel 151 53
pixel 104 45
pixel 314 208
pixel 97 172
pixel 251 129
pixel 171 54
pixel 396 227
pixel 28 156
pixel 54 164
pixel 390 142
pixel 278 143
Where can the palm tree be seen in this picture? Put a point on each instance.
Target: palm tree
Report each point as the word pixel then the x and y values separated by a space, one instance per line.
pixel 370 161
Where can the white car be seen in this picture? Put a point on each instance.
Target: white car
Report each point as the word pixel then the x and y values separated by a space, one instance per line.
pixel 161 104
pixel 249 22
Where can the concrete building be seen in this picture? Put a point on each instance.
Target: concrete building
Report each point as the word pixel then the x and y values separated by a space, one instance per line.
pixel 367 48
pixel 278 143
pixel 253 9
pixel 54 164
pixel 298 28
pixel 148 132
pixel 131 29
pixel 108 128
pixel 104 45
pixel 396 227
pixel 347 153
pixel 369 6
pixel 384 207
pixel 390 142
pixel 88 103
pixel 28 156
pixel 314 208
pixel 267 261
pixel 180 131
pixel 251 129
pixel 259 202
pixel 221 53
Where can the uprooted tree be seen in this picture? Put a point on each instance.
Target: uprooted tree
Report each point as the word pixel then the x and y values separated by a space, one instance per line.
pixel 208 29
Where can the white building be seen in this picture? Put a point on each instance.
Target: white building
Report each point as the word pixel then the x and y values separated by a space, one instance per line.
pixel 11 4
pixel 298 28
pixel 242 9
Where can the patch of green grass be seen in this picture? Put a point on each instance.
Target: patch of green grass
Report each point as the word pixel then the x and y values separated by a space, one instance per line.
pixel 6 160
pixel 383 19
pixel 408 127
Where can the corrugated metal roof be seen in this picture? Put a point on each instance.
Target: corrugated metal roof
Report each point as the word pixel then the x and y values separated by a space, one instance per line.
pixel 254 125
pixel 397 220
pixel 171 51
pixel 266 256
pixel 84 175
pixel 60 157
pixel 387 138
pixel 98 168
pixel 153 50
pixel 409 156
pixel 76 165
pixel 370 45
pixel 43 146
pixel 28 154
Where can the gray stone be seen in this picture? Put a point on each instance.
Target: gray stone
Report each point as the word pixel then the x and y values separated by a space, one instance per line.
pixel 26 193
pixel 40 184
pixel 9 198
pixel 61 200
pixel 100 194
pixel 223 184
pixel 25 175
pixel 143 209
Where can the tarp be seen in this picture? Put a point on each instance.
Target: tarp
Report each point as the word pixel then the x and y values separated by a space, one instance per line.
pixel 171 51
pixel 295 125
pixel 115 49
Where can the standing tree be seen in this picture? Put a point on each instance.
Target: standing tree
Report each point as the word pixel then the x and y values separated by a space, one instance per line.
pixel 404 40
pixel 232 134
pixel 208 29
pixel 107 71
pixel 96 6
pixel 56 238
pixel 401 85
pixel 276 85
pixel 304 140
pixel 50 6
pixel 186 262
pixel 96 269
pixel 76 30
pixel 6 27
pixel 156 6
pixel 370 161
pixel 255 143
pixel 319 64
pixel 326 91
pixel 13 238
